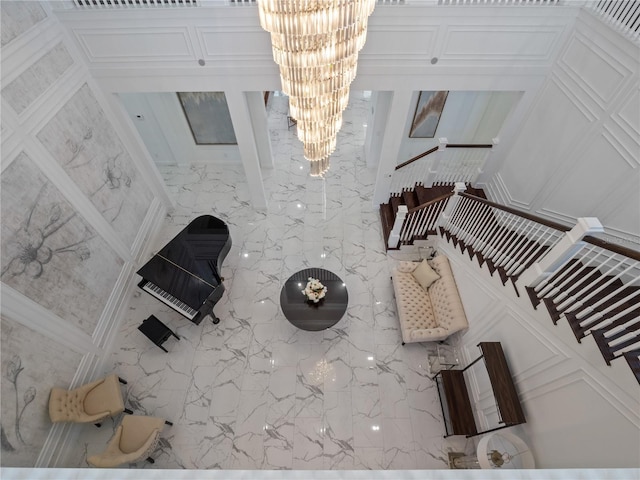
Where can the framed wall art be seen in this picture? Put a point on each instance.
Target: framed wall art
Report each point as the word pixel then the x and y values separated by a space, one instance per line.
pixel 427 116
pixel 208 117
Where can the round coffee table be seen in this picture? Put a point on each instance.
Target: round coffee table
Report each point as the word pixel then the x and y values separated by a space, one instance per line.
pixel 314 316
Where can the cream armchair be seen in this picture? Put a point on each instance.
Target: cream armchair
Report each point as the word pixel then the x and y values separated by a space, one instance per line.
pixel 89 403
pixel 135 439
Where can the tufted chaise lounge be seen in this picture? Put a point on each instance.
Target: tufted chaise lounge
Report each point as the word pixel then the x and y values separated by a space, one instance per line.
pixel 431 315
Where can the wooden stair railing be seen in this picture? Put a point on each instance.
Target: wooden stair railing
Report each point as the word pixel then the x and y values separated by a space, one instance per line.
pixel 507 240
pixel 421 220
pixel 424 207
pixel 598 292
pixel 443 164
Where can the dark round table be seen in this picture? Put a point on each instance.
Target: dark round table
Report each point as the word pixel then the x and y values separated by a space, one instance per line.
pixel 314 316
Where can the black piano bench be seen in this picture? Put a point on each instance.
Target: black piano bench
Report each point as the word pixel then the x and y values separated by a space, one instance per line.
pixel 156 331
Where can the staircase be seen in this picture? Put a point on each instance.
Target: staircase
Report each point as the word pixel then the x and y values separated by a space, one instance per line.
pixel 591 283
pixel 418 197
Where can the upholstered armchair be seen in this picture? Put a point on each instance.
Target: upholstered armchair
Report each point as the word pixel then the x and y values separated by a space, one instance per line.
pixel 89 403
pixel 135 439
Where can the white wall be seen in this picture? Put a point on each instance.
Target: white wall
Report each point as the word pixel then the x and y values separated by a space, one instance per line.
pixel 468 117
pixel 576 154
pixel 166 133
pixel 79 196
pixel 492 49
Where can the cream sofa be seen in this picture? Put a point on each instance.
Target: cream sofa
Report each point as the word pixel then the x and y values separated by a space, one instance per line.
pixel 431 315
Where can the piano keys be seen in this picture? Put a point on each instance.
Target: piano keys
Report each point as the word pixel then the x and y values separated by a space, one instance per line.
pixel 185 273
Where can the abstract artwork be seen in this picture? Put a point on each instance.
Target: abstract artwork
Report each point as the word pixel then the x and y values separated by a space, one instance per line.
pixel 427 116
pixel 31 365
pixel 208 116
pixel 48 252
pixel 83 142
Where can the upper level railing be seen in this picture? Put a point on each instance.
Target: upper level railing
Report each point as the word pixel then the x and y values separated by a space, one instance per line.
pixel 445 163
pixel 621 15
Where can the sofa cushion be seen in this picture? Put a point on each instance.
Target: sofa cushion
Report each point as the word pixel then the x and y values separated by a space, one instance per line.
pixel 425 275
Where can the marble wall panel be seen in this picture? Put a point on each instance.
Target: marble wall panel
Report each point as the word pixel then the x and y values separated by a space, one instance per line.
pixel 31 365
pixel 84 143
pixel 18 17
pixel 33 82
pixel 48 252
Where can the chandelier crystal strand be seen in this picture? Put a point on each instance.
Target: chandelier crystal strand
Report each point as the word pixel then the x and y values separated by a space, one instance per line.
pixel 316 45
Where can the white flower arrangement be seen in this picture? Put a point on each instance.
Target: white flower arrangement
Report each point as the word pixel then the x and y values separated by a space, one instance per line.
pixel 314 291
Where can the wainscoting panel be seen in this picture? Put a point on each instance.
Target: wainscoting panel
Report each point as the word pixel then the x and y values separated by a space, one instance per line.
pixel 417 43
pixel 31 364
pixel 240 43
pixel 526 178
pixel 600 77
pixel 602 175
pixel 135 44
pixel 628 117
pixel 504 43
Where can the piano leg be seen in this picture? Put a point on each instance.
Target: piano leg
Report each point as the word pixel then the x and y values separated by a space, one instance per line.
pixel 214 319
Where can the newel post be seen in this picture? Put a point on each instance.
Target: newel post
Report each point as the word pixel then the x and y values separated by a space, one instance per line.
pixel 446 214
pixel 435 163
pixel 394 234
pixel 562 252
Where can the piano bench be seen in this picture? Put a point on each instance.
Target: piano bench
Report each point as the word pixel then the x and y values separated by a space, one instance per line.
pixel 156 331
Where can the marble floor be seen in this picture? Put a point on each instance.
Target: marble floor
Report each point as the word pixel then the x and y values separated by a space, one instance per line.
pixel 255 392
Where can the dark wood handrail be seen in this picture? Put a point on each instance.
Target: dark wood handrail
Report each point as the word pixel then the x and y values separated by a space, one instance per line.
pixel 448 145
pixel 469 145
pixel 528 216
pixel 431 202
pixel 612 247
pixel 417 157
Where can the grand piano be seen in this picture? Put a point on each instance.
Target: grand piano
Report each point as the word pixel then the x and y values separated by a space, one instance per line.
pixel 185 273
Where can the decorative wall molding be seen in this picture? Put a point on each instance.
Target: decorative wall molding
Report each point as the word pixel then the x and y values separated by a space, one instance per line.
pixel 562 82
pixel 611 73
pixel 632 160
pixel 499 42
pixel 34 316
pixel 132 44
pixel 418 43
pixel 627 117
pixel 242 43
pixel 148 230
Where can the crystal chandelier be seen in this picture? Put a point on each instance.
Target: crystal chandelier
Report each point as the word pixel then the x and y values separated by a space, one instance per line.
pixel 316 45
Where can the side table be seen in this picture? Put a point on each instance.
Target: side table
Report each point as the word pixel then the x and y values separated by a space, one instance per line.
pixel 444 358
pixel 156 331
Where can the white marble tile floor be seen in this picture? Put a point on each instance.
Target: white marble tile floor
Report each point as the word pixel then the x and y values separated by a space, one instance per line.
pixel 255 392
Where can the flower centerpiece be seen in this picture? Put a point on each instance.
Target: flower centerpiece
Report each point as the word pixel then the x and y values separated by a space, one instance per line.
pixel 314 291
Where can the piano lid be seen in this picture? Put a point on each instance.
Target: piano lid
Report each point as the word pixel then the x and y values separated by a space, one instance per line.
pixel 187 266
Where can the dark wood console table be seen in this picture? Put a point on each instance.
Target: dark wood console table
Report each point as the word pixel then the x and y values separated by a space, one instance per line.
pixel 455 401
